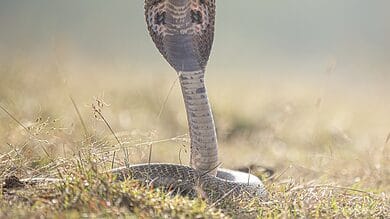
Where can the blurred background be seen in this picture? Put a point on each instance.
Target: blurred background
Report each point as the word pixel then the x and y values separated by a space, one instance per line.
pixel 294 39
pixel 302 83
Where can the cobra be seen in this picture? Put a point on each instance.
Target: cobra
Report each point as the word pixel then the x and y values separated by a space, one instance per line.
pixel 183 32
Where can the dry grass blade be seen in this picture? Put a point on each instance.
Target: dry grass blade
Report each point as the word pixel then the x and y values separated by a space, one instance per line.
pixel 388 138
pixel 127 163
pixel 167 97
pixel 14 118
pixel 26 129
pixel 150 153
pixel 86 133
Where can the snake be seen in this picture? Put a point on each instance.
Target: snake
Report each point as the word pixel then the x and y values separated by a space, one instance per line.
pixel 183 32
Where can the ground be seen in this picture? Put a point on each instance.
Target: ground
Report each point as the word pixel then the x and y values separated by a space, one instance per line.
pixel 322 150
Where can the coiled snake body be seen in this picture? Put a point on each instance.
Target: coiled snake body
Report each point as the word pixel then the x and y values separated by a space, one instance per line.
pixel 183 31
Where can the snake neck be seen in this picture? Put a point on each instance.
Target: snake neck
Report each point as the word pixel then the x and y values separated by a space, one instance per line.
pixel 204 147
pixel 183 31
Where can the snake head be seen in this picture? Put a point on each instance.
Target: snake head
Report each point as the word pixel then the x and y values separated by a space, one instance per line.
pixel 182 30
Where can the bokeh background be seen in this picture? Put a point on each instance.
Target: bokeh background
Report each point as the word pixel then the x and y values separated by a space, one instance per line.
pixel 302 85
pixel 295 39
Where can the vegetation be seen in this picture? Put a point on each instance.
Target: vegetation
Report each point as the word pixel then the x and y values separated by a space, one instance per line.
pixel 320 154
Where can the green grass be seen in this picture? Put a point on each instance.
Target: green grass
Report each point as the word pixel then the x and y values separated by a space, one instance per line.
pixel 329 152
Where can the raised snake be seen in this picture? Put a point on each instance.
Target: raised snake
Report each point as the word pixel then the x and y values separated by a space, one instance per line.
pixel 183 32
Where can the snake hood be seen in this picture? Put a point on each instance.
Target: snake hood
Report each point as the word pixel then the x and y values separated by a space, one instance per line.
pixel 183 31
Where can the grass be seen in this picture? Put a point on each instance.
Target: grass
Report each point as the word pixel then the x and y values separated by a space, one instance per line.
pixel 329 153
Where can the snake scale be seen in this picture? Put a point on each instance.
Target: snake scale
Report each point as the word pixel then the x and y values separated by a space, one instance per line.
pixel 183 32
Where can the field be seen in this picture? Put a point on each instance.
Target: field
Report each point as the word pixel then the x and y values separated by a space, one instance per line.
pixel 322 149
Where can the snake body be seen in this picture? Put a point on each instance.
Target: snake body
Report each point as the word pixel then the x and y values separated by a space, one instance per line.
pixel 183 32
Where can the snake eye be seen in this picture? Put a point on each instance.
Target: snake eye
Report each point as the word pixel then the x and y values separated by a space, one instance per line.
pixel 160 18
pixel 196 17
pixel 202 1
